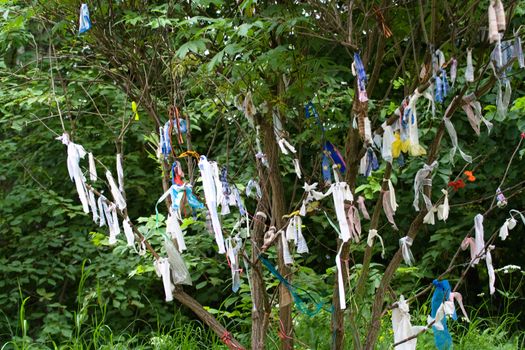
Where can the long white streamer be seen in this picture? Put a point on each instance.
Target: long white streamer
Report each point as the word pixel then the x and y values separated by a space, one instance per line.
pixel 210 193
pixel 287 257
pixel 340 281
pixel 454 138
pixel 162 267
pixel 388 139
pixel 479 239
pixel 490 270
pixel 93 205
pixel 174 230
pixel 115 192
pixel 92 168
pixel 128 232
pixel 120 173
pixel 341 192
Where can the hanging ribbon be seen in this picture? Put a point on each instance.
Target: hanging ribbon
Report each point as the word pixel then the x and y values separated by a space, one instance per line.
pixel 310 111
pixel 421 179
pixel 287 257
pixel 453 71
pixel 341 192
pixel 134 109
pixel 101 202
pixel 473 110
pixel 211 200
pixel 354 222
pixel 469 71
pixel 120 173
pixel 249 108
pixel 294 233
pixel 454 138
pixel 84 22
pixel 369 163
pixel 503 99
pixel 175 231
pixel 370 240
pixel 238 201
pixel 165 139
pixel 442 337
pixel 443 209
pixel 392 196
pixel 232 253
pixel 115 192
pixel 409 120
pixel 405 243
pixel 260 155
pixel 179 271
pixel 504 229
pixel 479 238
pixel 490 270
pixel 497 20
pixel 388 140
pixel 128 232
pixel 327 174
pixel 252 184
pixel 358 69
pixel 311 196
pixel 335 155
pixel 92 168
pixel 162 268
pixel 93 205
pixel 362 207
pixel 114 226
pixel 441 86
pixel 388 209
pixel 297 167
pixel 402 326
pixel 302 301
pixel 74 154
pixel 340 281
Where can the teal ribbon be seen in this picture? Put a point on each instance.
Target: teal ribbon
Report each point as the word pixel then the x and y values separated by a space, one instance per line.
pixel 301 301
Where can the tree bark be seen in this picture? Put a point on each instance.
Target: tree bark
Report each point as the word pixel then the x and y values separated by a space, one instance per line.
pixel 261 307
pixel 277 212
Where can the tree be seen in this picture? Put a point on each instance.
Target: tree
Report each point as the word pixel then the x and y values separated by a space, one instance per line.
pixel 200 62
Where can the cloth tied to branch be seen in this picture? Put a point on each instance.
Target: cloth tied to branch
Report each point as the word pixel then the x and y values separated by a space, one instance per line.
pixel 232 252
pixel 76 152
pixel 454 138
pixel 402 326
pixel 370 240
pixel 84 21
pixel 210 193
pixel 405 243
pixel 421 180
pixel 358 69
pixel 473 110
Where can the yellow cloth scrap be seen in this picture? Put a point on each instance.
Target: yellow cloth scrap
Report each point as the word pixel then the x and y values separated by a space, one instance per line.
pixel 189 154
pixel 134 109
pixel 399 146
pixel 292 214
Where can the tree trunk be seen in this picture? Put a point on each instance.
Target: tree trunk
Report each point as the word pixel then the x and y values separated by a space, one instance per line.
pixel 278 210
pixel 261 307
